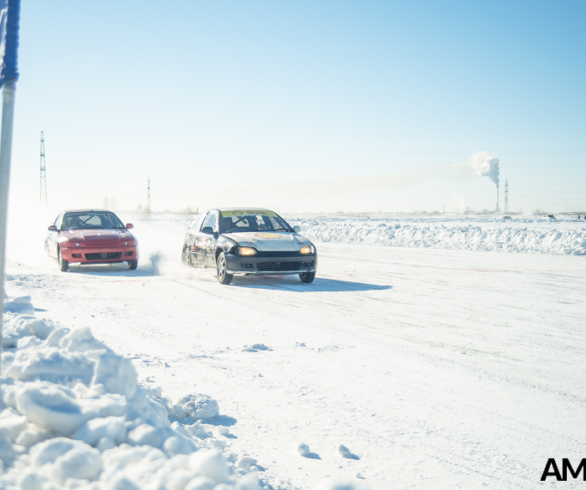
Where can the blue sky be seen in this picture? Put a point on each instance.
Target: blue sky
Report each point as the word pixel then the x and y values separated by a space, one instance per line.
pixel 302 106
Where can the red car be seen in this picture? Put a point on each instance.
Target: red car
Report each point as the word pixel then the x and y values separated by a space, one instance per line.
pixel 93 236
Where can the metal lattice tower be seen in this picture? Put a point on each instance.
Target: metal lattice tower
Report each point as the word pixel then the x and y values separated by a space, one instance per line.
pixel 149 195
pixel 43 188
pixel 506 196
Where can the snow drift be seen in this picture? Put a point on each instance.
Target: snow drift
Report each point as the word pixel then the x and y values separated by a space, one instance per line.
pixel 73 415
pixel 456 236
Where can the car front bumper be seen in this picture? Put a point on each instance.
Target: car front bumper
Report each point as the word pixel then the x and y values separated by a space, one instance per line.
pixel 263 265
pixel 99 255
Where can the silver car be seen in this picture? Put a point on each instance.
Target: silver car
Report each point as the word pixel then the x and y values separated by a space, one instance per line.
pixel 248 241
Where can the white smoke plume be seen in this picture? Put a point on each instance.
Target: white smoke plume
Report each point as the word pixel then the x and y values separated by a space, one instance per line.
pixel 485 165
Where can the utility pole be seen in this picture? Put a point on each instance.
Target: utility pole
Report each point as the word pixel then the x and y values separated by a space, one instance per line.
pixel 506 196
pixel 43 187
pixel 149 195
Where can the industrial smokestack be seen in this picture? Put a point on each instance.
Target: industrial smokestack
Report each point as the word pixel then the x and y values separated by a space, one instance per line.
pixel 486 165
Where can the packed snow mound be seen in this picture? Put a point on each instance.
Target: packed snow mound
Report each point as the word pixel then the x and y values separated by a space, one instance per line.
pixel 303 449
pixel 197 406
pixel 72 415
pixel 534 237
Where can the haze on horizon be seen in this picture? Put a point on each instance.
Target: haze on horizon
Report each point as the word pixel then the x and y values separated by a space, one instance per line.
pixel 301 107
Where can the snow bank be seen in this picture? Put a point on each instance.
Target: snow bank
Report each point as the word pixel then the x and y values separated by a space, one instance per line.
pixel 521 237
pixel 72 415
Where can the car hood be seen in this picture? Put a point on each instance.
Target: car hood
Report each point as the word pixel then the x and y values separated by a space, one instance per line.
pixel 98 238
pixel 270 241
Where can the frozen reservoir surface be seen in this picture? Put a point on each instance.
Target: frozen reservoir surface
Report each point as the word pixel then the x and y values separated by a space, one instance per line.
pixel 421 367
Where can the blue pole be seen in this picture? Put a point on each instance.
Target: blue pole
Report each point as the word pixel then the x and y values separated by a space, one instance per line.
pixel 9 23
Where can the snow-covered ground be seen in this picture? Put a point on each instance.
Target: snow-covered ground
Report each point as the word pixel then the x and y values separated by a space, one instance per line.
pixel 398 367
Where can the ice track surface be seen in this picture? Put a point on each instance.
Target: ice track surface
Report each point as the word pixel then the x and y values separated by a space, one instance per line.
pixel 434 368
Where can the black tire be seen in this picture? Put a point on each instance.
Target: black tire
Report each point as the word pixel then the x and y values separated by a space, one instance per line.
pixel 63 264
pixel 132 264
pixel 222 267
pixel 307 277
pixel 186 256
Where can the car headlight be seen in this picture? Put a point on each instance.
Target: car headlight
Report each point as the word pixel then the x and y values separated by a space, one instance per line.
pixel 70 244
pixel 247 251
pixel 308 249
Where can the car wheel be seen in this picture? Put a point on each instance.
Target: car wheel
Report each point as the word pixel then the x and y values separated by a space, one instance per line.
pixel 63 264
pixel 186 256
pixel 132 264
pixel 307 277
pixel 223 276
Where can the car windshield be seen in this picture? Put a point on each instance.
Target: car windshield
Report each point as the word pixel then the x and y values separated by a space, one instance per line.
pixel 244 221
pixel 91 220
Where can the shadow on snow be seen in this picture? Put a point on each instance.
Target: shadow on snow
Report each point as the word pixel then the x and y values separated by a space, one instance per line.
pixel 116 270
pixel 292 283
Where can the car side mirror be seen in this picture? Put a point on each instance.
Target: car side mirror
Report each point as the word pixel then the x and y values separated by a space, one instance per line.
pixel 129 226
pixel 297 229
pixel 52 228
pixel 208 230
pixel 216 234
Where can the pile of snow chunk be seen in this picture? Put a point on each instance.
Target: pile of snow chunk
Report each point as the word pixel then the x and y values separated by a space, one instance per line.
pixel 196 406
pixel 72 415
pixel 484 236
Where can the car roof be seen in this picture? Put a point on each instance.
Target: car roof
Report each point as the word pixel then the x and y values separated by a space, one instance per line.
pixel 86 210
pixel 247 208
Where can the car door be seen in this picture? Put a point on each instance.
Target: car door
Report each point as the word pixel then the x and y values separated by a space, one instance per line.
pixel 198 240
pixel 53 237
pixel 209 238
pixel 192 238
